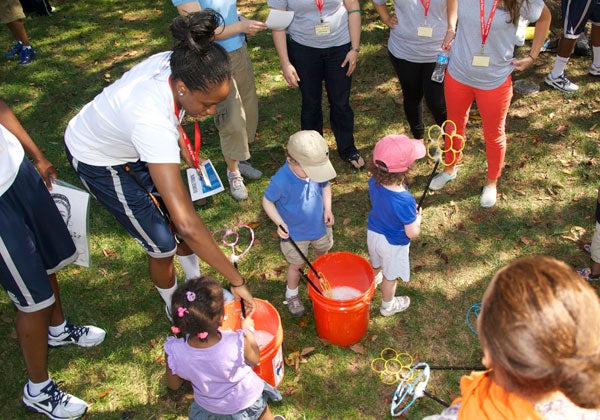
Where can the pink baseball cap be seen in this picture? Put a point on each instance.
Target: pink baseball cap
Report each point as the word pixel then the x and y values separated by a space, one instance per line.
pixel 396 153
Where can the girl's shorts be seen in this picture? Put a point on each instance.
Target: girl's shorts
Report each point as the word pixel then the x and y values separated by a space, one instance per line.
pixel 34 241
pixel 250 413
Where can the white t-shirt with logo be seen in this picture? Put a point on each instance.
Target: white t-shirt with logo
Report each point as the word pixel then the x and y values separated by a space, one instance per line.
pixel 11 156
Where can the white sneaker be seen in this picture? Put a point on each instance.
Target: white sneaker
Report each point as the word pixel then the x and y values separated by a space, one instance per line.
pixel 441 179
pixel 86 336
pixel 488 197
pixel 295 306
pixel 594 70
pixel 54 403
pixel 562 83
pixel 399 304
pixel 249 171
pixel 236 186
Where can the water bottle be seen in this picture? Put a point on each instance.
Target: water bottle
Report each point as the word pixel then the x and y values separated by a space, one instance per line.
pixel 440 67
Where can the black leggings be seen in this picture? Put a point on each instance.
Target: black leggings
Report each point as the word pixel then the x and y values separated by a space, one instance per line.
pixel 415 80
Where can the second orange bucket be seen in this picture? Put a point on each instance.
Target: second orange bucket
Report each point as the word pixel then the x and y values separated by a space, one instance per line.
pixel 344 319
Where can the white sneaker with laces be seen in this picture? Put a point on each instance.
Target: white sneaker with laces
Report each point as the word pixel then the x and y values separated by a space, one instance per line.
pixel 594 70
pixel 54 403
pixel 236 185
pixel 295 306
pixel 399 304
pixel 86 336
pixel 249 171
pixel 561 83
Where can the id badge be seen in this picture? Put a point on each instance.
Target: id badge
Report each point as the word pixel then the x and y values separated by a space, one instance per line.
pixel 425 31
pixel 322 29
pixel 481 61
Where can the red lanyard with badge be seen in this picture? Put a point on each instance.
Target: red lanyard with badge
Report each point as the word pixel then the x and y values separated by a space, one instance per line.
pixel 425 30
pixel 321 28
pixel 481 59
pixel 198 173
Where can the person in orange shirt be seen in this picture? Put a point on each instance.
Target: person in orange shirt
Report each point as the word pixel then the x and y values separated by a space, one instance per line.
pixel 539 328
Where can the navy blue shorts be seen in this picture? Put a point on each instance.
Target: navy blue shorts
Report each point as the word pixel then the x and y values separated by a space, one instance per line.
pixel 34 241
pixel 576 13
pixel 129 203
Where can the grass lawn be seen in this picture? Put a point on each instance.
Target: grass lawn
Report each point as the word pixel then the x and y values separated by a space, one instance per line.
pixel 546 205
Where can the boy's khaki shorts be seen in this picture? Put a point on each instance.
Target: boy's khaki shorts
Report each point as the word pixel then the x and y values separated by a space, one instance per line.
pixel 11 10
pixel 321 246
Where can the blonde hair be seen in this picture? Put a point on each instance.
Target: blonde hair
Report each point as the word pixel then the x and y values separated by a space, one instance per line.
pixel 540 324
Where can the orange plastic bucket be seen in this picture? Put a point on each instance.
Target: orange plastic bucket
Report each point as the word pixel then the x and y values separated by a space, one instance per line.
pixel 268 333
pixel 342 322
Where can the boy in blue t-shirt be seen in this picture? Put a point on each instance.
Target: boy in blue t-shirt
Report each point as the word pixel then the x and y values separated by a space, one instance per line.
pixel 298 198
pixel 394 218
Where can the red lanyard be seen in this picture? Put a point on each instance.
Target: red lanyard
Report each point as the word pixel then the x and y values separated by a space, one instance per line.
pixel 485 27
pixel 193 151
pixel 320 4
pixel 426 6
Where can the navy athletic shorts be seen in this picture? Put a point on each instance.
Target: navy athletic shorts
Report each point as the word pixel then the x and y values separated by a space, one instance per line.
pixel 575 15
pixel 126 197
pixel 34 241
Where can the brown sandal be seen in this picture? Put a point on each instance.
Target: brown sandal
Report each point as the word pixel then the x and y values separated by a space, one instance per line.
pixel 356 161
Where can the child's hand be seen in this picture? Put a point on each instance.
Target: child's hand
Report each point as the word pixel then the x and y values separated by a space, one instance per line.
pixel 247 323
pixel 328 217
pixel 282 231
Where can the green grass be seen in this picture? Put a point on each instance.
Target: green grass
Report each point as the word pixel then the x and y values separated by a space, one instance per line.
pixel 546 205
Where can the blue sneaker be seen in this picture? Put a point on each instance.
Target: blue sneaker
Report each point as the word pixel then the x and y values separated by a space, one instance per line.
pixel 28 55
pixel 14 51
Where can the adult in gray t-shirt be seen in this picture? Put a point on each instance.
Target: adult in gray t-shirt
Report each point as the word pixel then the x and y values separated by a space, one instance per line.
pixel 481 62
pixel 417 30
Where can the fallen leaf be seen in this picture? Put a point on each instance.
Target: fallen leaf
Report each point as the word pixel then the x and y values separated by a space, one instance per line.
pixel 253 225
pixel 526 240
pixel 358 348
pixel 562 128
pixel 103 394
pixel 306 351
pixel 346 221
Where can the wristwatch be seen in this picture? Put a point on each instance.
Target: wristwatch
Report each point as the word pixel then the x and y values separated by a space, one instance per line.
pixel 357 49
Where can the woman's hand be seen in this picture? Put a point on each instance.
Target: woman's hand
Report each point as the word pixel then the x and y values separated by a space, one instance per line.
pixel 448 39
pixel 522 63
pixel 351 59
pixel 252 27
pixel 290 74
pixel 47 171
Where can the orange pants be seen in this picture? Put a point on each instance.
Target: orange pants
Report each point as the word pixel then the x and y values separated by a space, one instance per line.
pixel 493 107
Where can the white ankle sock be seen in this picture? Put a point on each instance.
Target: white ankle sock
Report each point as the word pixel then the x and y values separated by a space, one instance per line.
pixel 387 305
pixel 190 266
pixel 559 66
pixel 57 330
pixel 167 294
pixel 290 293
pixel 35 388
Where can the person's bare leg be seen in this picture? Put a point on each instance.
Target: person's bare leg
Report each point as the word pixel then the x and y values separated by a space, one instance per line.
pixel 17 28
pixel 565 47
pixel 388 289
pixel 266 415
pixel 32 332
pixel 232 165
pixel 57 316
pixel 162 272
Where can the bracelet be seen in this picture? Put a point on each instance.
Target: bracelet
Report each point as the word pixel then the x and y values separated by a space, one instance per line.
pixel 239 285
pixel 530 56
pixel 251 329
pixel 356 49
pixel 359 11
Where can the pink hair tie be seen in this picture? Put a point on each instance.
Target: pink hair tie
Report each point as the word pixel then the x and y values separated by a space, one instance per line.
pixel 181 311
pixel 202 335
pixel 175 329
pixel 191 296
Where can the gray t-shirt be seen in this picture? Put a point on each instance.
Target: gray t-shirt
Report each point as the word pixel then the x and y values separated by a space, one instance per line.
pixel 499 45
pixel 404 42
pixel 306 16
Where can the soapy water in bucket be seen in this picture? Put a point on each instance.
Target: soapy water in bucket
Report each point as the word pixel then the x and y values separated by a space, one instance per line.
pixel 263 338
pixel 344 293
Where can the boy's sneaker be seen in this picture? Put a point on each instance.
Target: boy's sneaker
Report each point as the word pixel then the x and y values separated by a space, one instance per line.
pixel 248 170
pixel 28 56
pixel 14 51
pixel 236 185
pixel 86 336
pixel 54 403
pixel 399 304
pixel 594 70
pixel 295 306
pixel 561 83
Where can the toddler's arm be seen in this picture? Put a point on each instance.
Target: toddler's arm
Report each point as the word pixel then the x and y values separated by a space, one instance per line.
pixel 414 229
pixel 274 215
pixel 251 350
pixel 173 381
pixel 327 213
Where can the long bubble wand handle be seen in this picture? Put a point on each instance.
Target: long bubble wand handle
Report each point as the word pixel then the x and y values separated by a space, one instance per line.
pixel 431 176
